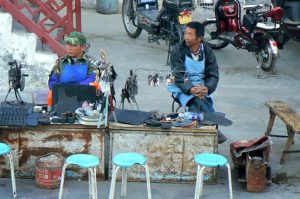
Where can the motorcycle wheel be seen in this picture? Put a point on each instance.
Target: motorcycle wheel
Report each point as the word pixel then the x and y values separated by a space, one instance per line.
pixel 266 59
pixel 130 18
pixel 210 34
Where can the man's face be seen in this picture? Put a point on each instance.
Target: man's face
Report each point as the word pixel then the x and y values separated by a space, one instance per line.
pixel 75 51
pixel 191 38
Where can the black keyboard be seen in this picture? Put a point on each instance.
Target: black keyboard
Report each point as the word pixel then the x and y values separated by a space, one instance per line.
pixel 14 113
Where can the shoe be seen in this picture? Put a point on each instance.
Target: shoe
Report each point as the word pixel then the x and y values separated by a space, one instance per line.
pixel 221 137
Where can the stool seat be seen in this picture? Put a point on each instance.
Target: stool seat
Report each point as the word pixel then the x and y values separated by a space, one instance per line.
pixel 83 160
pixel 210 160
pixel 129 159
pixel 4 149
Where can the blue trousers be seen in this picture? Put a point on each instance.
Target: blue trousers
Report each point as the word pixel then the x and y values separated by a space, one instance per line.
pixel 198 105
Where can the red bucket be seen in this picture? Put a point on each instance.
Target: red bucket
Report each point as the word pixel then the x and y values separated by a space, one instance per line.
pixel 48 171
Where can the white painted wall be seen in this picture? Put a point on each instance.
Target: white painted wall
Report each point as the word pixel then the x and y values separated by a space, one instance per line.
pixel 21 46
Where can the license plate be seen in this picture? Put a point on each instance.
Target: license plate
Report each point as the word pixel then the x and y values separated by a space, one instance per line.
pixel 184 19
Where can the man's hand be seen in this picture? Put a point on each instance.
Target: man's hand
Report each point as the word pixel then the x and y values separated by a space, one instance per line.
pixel 199 90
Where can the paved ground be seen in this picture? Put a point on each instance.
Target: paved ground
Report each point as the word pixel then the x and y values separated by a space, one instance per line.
pixel 240 95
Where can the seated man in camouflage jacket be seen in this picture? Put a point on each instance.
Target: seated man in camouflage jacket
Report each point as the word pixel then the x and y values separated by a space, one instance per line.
pixel 77 67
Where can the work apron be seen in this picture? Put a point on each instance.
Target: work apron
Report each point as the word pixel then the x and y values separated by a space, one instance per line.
pixel 74 74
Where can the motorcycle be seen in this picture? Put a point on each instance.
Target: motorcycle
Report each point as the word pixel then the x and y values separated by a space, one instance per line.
pixel 255 33
pixel 291 21
pixel 167 24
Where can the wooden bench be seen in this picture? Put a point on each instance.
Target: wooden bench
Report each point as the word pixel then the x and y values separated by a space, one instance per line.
pixel 292 121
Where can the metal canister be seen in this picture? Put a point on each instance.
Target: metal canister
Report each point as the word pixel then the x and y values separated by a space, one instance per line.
pixel 48 171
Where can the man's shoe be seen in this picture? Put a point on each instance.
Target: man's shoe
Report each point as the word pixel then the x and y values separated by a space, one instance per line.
pixel 221 137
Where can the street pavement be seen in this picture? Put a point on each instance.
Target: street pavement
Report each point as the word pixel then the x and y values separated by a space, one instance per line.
pixel 240 94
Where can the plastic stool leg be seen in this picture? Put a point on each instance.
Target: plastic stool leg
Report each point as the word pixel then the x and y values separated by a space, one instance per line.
pixel 12 173
pixel 124 182
pixel 229 181
pixel 95 182
pixel 90 183
pixel 62 181
pixel 113 181
pixel 197 182
pixel 92 190
pixel 201 181
pixel 148 181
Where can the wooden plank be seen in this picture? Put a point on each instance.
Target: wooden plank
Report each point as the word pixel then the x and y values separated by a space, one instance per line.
pixel 286 114
pixel 288 144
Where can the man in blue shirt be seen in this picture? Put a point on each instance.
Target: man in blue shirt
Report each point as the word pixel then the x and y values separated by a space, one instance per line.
pixel 196 71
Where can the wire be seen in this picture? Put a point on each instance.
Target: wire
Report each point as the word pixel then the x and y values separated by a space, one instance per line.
pixel 168 71
pixel 153 70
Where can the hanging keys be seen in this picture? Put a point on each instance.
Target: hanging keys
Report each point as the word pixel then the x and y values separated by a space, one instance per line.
pixel 170 79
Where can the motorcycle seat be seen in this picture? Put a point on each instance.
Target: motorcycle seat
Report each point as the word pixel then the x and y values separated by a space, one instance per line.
pixel 253 7
pixel 268 26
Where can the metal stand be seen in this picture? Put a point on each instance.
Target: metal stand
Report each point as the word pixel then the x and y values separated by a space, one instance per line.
pixel 17 94
pixel 262 74
pixel 106 86
pixel 130 90
pixel 169 54
pixel 103 115
pixel 125 95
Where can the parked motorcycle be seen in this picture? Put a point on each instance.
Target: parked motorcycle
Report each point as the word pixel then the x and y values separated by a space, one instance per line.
pixel 167 24
pixel 261 23
pixel 291 20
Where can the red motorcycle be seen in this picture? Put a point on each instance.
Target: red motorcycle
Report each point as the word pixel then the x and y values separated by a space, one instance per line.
pixel 256 33
pixel 291 20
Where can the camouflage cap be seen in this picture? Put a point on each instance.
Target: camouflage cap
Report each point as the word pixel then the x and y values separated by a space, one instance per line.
pixel 76 38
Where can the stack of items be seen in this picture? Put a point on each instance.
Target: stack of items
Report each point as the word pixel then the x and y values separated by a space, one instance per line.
pixel 188 119
pixel 15 113
pixel 162 120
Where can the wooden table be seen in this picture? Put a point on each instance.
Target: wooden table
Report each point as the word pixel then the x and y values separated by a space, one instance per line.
pixel 291 120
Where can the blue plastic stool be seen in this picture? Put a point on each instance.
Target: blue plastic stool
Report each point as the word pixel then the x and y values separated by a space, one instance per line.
pixel 84 161
pixel 124 161
pixel 210 160
pixel 5 150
